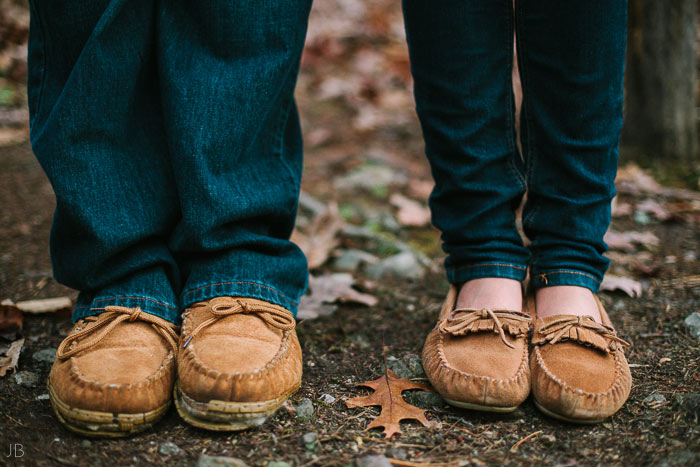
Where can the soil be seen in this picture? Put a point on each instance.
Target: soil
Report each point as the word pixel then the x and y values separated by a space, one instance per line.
pixel 347 347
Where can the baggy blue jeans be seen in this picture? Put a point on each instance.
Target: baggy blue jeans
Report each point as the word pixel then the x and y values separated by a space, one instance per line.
pixel 571 60
pixel 169 132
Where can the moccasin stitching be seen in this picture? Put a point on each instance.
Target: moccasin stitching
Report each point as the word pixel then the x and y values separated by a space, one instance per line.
pixel 617 381
pixel 79 377
pixel 198 365
pixel 445 364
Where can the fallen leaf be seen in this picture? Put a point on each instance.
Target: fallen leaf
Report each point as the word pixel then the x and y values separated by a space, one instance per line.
pixel 387 394
pixel 11 319
pixel 328 289
pixel 10 357
pixel 634 180
pixel 411 213
pixel 320 237
pixel 654 207
pixel 629 286
pixel 45 305
pixel 626 241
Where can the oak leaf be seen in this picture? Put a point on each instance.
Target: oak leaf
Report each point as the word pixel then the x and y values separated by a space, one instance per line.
pixel 387 394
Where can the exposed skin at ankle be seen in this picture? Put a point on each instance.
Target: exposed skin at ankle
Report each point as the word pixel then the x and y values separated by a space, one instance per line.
pixel 566 300
pixel 495 293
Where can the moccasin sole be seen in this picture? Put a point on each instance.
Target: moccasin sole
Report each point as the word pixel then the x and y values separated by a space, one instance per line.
pixel 481 408
pixel 579 421
pixel 226 416
pixel 103 424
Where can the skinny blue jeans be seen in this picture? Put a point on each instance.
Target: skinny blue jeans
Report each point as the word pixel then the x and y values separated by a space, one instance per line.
pixel 571 60
pixel 169 132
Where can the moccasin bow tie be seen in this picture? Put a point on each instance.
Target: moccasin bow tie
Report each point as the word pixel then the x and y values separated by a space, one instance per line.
pixel 274 316
pixel 581 328
pixel 112 316
pixel 464 320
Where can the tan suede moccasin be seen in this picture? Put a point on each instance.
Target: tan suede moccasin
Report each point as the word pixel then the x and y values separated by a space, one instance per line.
pixel 579 370
pixel 239 361
pixel 478 359
pixel 114 373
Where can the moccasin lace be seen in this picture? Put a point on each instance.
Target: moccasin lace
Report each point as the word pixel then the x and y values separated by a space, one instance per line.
pixel 463 320
pixel 274 316
pixel 112 316
pixel 561 328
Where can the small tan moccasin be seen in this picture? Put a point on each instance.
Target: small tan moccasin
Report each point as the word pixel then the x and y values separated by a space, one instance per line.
pixel 239 361
pixel 579 370
pixel 478 359
pixel 114 373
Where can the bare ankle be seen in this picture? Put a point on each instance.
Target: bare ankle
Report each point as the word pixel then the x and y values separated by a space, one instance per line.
pixel 566 300
pixel 497 293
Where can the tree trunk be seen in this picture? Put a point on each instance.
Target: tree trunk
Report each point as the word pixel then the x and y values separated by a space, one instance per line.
pixel 660 80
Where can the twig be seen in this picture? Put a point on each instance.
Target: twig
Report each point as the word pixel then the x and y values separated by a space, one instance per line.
pixel 530 436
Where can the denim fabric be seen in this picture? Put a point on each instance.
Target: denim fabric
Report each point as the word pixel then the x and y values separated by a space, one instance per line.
pixel 170 135
pixel 571 58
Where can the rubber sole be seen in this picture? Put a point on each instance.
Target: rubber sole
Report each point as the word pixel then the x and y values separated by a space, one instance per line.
pixel 103 424
pixel 223 415
pixel 579 421
pixel 481 408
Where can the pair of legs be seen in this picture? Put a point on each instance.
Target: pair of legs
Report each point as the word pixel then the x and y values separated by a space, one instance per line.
pixel 571 57
pixel 169 132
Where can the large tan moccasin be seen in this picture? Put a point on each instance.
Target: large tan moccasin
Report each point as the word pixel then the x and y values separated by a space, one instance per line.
pixel 239 361
pixel 478 359
pixel 114 373
pixel 579 370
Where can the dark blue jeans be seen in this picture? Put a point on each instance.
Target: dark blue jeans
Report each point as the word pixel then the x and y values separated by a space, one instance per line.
pixel 169 132
pixel 571 58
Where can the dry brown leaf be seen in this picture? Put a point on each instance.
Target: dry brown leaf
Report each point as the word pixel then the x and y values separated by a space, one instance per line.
pixel 10 357
pixel 626 241
pixel 629 286
pixel 11 319
pixel 660 211
pixel 411 213
pixel 387 394
pixel 45 305
pixel 327 290
pixel 320 237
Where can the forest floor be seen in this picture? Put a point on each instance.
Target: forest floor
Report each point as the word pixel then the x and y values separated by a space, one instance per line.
pixel 364 155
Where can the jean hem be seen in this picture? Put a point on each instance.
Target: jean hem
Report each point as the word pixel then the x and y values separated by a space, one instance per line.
pixel 540 279
pixel 149 305
pixel 461 274
pixel 240 288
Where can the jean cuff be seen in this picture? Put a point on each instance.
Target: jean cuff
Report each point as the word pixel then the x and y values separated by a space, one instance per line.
pixel 460 274
pixel 239 288
pixel 541 279
pixel 94 306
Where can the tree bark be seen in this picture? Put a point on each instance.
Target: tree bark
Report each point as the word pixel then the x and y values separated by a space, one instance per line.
pixel 660 81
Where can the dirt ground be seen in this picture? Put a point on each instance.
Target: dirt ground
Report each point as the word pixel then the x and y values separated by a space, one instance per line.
pixel 357 112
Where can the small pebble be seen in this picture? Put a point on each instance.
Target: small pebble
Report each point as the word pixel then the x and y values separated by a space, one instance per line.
pixel 373 461
pixel 327 398
pixel 692 323
pixel 169 449
pixel 45 355
pixel 654 399
pixel 42 397
pixel 219 461
pixel 86 443
pixel 26 378
pixel 304 409
pixel 278 464
pixel 309 439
